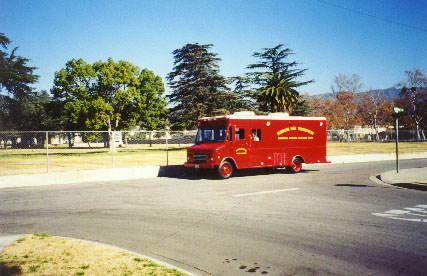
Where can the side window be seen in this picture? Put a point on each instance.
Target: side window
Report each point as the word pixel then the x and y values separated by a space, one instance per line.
pixel 240 134
pixel 230 134
pixel 256 134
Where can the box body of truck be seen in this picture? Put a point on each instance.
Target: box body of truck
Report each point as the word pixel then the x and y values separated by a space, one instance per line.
pixel 244 140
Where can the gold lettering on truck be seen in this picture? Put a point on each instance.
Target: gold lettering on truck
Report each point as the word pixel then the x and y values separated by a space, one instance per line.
pixel 294 137
pixel 241 151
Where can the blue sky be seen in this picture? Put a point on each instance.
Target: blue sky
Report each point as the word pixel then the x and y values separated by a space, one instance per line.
pixel 377 39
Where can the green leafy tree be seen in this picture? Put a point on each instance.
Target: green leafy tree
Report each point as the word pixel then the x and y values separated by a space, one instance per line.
pixel 73 89
pixel 108 96
pixel 197 87
pixel 276 79
pixel 152 104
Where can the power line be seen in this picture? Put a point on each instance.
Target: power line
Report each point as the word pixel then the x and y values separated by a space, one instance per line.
pixel 372 16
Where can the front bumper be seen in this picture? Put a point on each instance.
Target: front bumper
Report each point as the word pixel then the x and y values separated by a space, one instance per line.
pixel 199 165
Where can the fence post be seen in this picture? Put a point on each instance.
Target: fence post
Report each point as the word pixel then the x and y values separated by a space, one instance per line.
pixel 113 148
pixel 47 151
pixel 167 149
pixel 375 138
pixel 348 141
pixel 5 147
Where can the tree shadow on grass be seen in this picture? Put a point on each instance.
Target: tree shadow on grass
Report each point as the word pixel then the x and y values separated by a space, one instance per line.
pixel 8 269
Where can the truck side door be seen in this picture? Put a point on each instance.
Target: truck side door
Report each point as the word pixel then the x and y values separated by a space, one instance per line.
pixel 240 149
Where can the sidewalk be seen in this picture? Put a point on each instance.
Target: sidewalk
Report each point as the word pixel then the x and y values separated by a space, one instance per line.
pixel 415 178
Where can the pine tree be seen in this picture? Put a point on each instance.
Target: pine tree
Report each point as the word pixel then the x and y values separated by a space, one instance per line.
pixel 15 75
pixel 197 87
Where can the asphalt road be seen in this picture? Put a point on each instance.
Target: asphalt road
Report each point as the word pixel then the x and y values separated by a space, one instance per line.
pixel 326 220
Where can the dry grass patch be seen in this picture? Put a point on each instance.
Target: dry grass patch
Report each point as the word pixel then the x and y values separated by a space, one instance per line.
pixel 41 254
pixel 337 148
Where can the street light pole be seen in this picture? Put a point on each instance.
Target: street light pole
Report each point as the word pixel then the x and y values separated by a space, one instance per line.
pixel 397 112
pixel 396 127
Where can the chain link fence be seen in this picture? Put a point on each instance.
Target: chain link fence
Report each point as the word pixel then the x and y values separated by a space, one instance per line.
pixel 51 151
pixel 368 141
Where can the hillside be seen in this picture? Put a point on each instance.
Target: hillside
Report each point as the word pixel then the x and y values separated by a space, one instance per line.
pixel 391 93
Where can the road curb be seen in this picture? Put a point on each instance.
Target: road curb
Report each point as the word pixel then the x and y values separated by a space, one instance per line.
pixel 71 177
pixel 6 240
pixel 376 179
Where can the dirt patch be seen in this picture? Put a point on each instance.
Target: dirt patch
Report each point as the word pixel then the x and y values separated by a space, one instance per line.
pixel 41 254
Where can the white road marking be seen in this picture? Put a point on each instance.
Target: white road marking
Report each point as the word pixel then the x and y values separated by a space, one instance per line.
pixel 267 192
pixel 407 219
pixel 382 215
pixel 418 211
pixel 397 212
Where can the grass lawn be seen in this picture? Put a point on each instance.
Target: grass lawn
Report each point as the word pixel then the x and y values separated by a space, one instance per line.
pixel 41 254
pixel 337 148
pixel 61 158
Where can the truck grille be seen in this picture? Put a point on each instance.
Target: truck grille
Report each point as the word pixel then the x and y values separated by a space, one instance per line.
pixel 199 157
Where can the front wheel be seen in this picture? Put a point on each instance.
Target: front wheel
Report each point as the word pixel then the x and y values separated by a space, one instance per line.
pixel 225 170
pixel 296 165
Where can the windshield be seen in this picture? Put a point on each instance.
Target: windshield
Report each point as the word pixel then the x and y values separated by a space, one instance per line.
pixel 209 134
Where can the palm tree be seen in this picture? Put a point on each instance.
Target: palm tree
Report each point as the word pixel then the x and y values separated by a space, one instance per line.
pixel 278 93
pixel 276 79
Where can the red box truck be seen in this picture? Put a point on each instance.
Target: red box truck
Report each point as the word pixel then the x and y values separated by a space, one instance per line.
pixel 245 140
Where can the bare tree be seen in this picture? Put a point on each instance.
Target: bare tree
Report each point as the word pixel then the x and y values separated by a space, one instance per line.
pixel 413 94
pixel 345 88
pixel 343 83
pixel 374 109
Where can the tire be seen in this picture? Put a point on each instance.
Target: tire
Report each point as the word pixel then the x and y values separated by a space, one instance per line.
pixel 225 170
pixel 296 165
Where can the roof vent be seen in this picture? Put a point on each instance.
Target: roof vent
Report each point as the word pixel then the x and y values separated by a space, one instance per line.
pixel 279 114
pixel 244 113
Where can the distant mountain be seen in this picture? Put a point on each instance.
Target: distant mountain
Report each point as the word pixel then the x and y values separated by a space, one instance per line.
pixel 391 93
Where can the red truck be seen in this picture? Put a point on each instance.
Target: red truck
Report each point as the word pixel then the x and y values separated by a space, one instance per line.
pixel 245 140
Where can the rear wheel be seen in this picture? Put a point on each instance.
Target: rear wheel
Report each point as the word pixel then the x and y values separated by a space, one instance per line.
pixel 296 165
pixel 225 170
